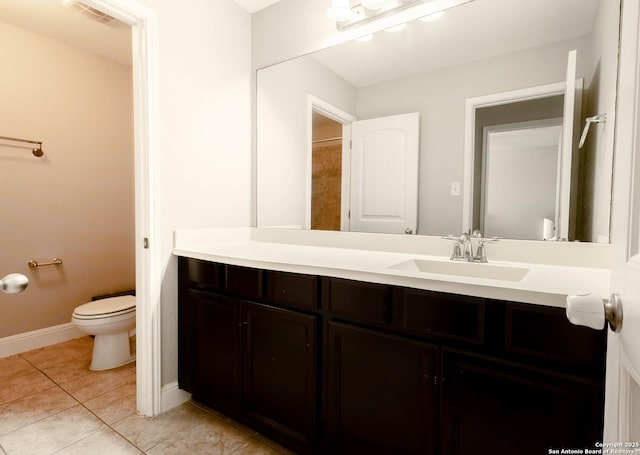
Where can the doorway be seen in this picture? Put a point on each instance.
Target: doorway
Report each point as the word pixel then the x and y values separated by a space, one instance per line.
pixel 326 173
pixel 143 23
pixel 331 127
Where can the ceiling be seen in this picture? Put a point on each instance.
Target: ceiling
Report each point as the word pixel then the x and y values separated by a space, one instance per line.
pixel 255 5
pixel 70 25
pixel 75 27
pixel 464 34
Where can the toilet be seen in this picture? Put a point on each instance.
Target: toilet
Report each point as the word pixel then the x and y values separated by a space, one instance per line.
pixel 110 320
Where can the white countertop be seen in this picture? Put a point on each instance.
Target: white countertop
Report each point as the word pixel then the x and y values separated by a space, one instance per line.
pixel 251 247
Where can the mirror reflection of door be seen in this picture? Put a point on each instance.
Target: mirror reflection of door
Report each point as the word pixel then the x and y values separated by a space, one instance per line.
pixel 520 179
pixel 512 115
pixel 326 173
pixel 384 174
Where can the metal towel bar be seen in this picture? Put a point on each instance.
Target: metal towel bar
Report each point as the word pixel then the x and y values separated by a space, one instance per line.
pixel 33 264
pixel 36 152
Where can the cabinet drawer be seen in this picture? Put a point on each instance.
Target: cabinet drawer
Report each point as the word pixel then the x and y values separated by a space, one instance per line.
pixel 291 289
pixel 364 302
pixel 546 333
pixel 442 315
pixel 243 281
pixel 195 273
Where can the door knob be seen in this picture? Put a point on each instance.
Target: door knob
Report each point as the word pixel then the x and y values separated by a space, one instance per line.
pixel 592 311
pixel 408 231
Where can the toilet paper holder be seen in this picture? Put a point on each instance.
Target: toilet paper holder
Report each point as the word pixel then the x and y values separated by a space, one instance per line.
pixel 588 310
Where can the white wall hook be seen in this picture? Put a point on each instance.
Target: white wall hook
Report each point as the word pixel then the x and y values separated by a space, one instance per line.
pixel 601 118
pixel 591 311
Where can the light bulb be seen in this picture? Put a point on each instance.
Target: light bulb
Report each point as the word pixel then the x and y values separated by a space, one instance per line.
pixel 340 11
pixel 373 4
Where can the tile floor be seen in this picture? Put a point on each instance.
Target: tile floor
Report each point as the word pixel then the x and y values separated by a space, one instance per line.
pixel 51 403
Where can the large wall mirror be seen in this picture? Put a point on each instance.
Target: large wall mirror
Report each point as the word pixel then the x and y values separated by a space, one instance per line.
pixel 449 124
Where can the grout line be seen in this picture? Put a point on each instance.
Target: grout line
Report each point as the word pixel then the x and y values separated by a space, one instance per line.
pixel 84 406
pixel 212 413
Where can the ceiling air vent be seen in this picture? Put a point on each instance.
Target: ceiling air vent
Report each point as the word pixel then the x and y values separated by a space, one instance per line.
pixel 94 14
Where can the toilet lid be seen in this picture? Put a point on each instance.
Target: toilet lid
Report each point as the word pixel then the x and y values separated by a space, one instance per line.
pixel 109 306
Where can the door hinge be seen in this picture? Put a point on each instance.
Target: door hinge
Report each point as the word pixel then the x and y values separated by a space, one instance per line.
pixel 349 214
pixel 350 144
pixel 145 243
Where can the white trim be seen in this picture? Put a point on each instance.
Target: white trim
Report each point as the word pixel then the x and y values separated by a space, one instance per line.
pixel 340 116
pixel 145 59
pixel 345 181
pixel 35 339
pixel 486 131
pixel 619 370
pixel 494 99
pixel 173 395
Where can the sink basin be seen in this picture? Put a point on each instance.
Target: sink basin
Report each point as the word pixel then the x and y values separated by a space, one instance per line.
pixel 468 269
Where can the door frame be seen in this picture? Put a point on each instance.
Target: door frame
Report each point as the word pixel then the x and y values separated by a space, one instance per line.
pixel 625 218
pixel 145 57
pixel 494 99
pixel 328 110
pixel 487 130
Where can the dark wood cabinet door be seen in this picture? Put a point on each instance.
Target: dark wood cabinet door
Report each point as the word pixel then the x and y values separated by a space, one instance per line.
pixel 491 407
pixel 382 393
pixel 217 352
pixel 186 335
pixel 280 369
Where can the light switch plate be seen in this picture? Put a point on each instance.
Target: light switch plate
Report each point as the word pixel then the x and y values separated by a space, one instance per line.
pixel 455 188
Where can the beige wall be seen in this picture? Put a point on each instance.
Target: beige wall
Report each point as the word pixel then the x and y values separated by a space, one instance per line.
pixel 77 201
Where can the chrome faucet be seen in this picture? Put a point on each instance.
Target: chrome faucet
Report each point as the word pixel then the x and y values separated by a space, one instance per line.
pixel 463 247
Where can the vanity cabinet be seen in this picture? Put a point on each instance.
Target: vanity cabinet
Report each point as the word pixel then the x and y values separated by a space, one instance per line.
pixel 382 393
pixel 217 350
pixel 253 361
pixel 490 406
pixel 336 366
pixel 279 365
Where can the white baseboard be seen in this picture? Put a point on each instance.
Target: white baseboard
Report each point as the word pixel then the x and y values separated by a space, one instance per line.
pixel 173 396
pixel 27 341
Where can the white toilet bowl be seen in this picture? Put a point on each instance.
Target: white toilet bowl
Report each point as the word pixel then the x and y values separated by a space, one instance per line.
pixel 110 320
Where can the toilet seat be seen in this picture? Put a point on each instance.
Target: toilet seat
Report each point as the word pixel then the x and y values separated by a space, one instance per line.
pixel 106 308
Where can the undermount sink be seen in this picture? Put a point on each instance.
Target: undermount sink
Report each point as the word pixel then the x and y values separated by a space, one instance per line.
pixel 468 269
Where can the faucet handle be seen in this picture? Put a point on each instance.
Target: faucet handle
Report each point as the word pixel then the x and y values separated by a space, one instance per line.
pixel 456 254
pixel 476 234
pixel 481 253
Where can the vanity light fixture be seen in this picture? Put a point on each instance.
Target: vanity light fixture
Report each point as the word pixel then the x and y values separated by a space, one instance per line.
pixel 340 11
pixel 365 38
pixel 392 12
pixel 396 28
pixel 373 4
pixel 432 17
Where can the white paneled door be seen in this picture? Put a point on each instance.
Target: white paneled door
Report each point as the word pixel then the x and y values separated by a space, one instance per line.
pixel 384 174
pixel 622 400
